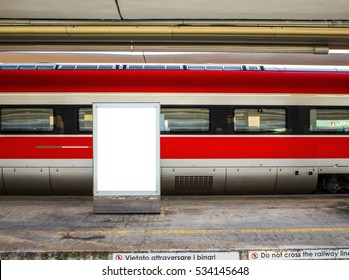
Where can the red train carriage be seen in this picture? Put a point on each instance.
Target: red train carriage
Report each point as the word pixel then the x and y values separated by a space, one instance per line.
pixel 225 129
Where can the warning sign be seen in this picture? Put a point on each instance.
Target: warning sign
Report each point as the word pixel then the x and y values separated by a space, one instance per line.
pixel 198 256
pixel 320 254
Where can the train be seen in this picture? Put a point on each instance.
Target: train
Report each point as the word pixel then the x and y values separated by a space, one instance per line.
pixel 224 129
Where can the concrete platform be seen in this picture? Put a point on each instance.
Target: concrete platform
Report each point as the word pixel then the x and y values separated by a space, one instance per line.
pixel 66 228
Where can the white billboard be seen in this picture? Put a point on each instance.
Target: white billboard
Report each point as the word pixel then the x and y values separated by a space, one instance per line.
pixel 126 149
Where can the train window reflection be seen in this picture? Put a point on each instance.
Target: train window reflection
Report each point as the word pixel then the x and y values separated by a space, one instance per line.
pixel 260 119
pixel 85 119
pixel 185 119
pixel 331 120
pixel 27 119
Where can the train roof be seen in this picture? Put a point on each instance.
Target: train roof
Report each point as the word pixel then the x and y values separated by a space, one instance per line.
pixel 174 78
pixel 150 66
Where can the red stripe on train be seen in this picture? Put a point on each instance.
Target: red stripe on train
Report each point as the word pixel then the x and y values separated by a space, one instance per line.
pixel 254 147
pixel 173 81
pixel 18 147
pixel 186 147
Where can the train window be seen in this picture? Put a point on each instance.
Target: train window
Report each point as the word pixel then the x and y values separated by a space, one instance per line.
pixel 185 119
pixel 329 120
pixel 85 119
pixel 27 119
pixel 260 119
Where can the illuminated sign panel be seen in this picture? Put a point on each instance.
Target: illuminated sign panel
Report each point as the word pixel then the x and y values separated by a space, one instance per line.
pixel 126 156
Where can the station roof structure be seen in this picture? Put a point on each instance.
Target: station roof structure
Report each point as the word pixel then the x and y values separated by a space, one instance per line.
pixel 183 31
pixel 322 10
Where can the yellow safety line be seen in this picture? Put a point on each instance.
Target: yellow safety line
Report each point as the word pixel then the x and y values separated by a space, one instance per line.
pixel 230 231
pixel 253 200
pixel 178 231
pixel 208 200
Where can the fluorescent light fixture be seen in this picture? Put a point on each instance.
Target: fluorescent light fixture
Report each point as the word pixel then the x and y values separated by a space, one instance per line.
pixel 338 51
pixel 81 52
pixel 116 53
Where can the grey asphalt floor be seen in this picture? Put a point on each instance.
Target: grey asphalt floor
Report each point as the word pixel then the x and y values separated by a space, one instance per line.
pixel 65 227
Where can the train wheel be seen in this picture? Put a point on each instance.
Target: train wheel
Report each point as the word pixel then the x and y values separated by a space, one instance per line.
pixel 332 185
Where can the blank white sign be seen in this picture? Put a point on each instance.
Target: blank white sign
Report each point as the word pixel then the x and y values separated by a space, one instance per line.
pixel 126 148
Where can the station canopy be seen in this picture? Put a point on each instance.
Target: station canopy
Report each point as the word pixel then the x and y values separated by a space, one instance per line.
pixel 323 10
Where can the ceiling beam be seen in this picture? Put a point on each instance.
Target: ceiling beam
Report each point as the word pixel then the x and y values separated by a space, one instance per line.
pixel 169 34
